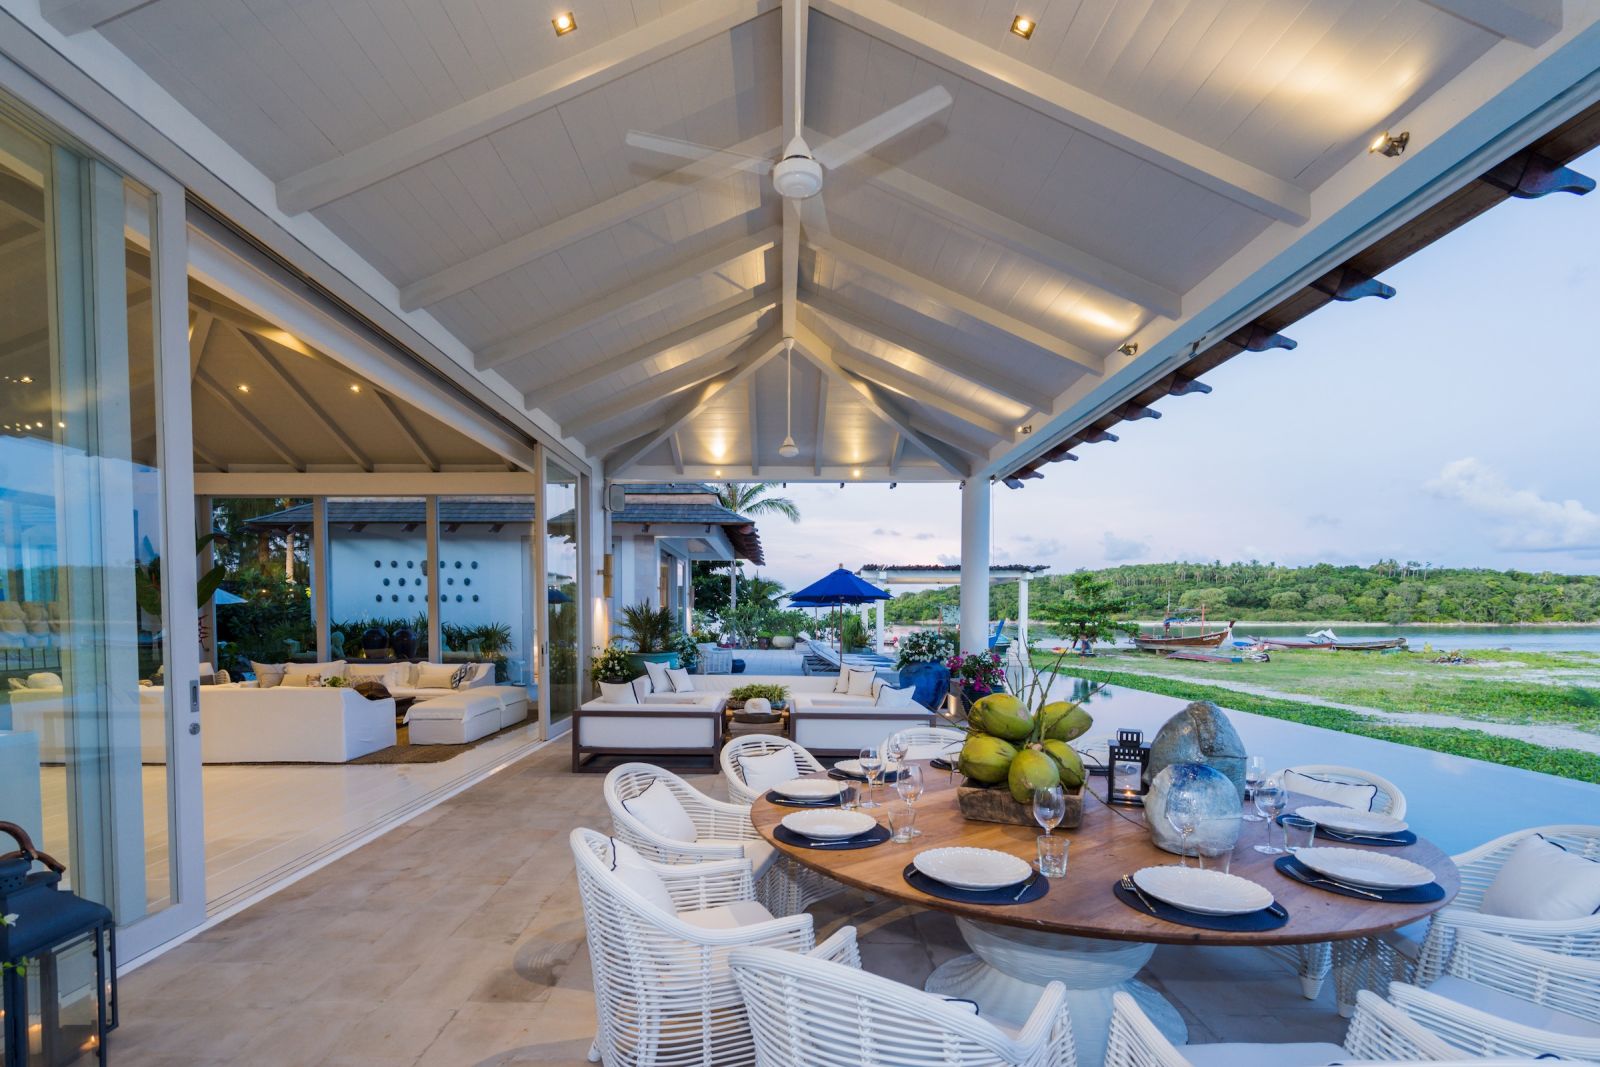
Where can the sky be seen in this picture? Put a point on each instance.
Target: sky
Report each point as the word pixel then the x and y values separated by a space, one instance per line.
pixel 1457 424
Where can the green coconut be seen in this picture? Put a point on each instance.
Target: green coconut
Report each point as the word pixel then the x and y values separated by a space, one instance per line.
pixel 1031 770
pixel 1068 762
pixel 1064 721
pixel 986 759
pixel 1002 715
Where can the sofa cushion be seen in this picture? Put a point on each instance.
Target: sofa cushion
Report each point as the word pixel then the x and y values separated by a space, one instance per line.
pixel 618 693
pixel 299 674
pixel 763 772
pixel 641 688
pixel 679 681
pixel 455 706
pixel 1311 785
pixel 1542 880
pixel 727 916
pixel 842 683
pixel 660 810
pixel 635 872
pixel 657 673
pixel 44 680
pixel 434 675
pixel 860 683
pixel 268 674
pixel 890 697
pixel 760 854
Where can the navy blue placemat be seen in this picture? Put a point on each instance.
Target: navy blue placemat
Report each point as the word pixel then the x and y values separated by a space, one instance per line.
pixel 846 776
pixel 1250 922
pixel 1399 840
pixel 1290 867
pixel 1038 887
pixel 875 836
pixel 941 763
pixel 774 797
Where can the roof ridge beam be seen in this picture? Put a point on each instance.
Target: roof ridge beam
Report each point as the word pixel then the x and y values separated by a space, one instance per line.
pixel 596 218
pixel 547 333
pixel 960 302
pixel 498 108
pixel 1133 133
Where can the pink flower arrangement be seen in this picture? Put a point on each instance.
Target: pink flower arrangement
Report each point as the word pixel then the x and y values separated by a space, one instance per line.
pixel 981 672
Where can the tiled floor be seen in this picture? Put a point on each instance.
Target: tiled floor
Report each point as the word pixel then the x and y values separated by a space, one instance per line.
pixel 457 939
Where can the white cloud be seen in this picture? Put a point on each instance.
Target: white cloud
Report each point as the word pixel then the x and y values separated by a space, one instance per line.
pixel 1118 549
pixel 1524 520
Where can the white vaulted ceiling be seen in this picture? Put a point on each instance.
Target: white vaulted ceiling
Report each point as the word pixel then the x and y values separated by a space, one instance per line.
pixel 1093 185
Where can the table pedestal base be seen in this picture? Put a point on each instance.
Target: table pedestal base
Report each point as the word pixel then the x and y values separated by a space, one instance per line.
pixel 1009 968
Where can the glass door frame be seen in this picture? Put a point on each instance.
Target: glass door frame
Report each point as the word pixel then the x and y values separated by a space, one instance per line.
pixel 543 457
pixel 48 115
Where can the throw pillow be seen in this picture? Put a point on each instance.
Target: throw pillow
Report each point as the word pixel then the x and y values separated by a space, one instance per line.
pixel 224 678
pixel 641 688
pixel 1542 880
pixel 661 811
pixel 18 683
pixel 482 674
pixel 678 678
pixel 1359 797
pixel 860 684
pixel 842 683
pixel 44 680
pixel 763 772
pixel 889 697
pixel 371 688
pixel 435 675
pixel 618 693
pixel 635 872
pixel 301 675
pixel 657 672
pixel 459 676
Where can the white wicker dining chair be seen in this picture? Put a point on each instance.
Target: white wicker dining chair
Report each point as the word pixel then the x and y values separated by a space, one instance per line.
pixel 926 742
pixel 663 992
pixel 1313 962
pixel 760 745
pixel 1379 1033
pixel 806 1011
pixel 1501 998
pixel 722 831
pixel 1374 962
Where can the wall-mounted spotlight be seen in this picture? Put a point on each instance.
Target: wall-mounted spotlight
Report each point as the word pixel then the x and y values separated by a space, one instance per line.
pixel 1390 144
pixel 1023 26
pixel 1129 348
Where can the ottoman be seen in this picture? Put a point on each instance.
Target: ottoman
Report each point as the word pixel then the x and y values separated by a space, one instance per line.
pixel 454 719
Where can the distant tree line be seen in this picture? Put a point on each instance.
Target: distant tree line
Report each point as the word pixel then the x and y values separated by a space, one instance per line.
pixel 1387 591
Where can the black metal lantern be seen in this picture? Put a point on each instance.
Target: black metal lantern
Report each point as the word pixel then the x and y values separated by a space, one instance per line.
pixel 59 957
pixel 1129 757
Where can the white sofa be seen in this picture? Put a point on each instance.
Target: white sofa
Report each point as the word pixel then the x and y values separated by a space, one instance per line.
pixel 244 724
pixel 43 712
pixel 665 724
pixel 466 714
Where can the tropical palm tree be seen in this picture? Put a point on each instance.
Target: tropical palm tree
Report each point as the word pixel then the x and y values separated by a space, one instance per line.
pixel 752 498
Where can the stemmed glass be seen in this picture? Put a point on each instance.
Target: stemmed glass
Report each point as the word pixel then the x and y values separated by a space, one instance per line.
pixel 1049 807
pixel 872 770
pixel 909 785
pixel 895 750
pixel 1183 812
pixel 1255 769
pixel 1270 800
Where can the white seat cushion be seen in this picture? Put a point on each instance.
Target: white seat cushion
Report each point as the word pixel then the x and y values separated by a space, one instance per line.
pixel 680 680
pixel 860 681
pixel 727 916
pixel 434 675
pixel 763 772
pixel 760 854
pixel 1513 1009
pixel 1542 880
pixel 1359 797
pixel 641 688
pixel 618 693
pixel 657 672
pixel 1242 1054
pixel 889 697
pixel 633 871
pixel 661 811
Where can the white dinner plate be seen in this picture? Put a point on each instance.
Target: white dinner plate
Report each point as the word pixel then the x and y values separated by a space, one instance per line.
pixel 809 788
pixel 1371 870
pixel 829 824
pixel 853 766
pixel 1202 892
pixel 1352 820
pixel 972 868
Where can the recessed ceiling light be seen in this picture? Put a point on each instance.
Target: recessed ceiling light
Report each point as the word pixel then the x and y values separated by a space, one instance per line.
pixel 354 388
pixel 26 379
pixel 243 388
pixel 719 474
pixel 856 473
pixel 564 23
pixel 1023 26
pixel 1390 144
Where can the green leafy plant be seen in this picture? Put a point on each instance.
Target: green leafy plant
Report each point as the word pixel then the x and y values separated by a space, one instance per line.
pixel 777 694
pixel 925 646
pixel 611 664
pixel 688 652
pixel 650 629
pixel 335 681
pixel 1088 611
pixel 147 578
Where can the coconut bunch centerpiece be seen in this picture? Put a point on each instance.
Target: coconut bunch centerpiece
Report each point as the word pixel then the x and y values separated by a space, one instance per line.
pixel 1014 748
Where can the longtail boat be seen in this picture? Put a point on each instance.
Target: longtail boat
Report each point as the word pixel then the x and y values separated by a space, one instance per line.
pixel 1219 657
pixel 1292 642
pixel 1153 643
pixel 1377 644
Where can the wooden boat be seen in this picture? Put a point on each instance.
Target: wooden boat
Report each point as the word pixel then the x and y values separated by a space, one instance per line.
pixel 1377 644
pixel 1219 657
pixel 1292 642
pixel 1150 643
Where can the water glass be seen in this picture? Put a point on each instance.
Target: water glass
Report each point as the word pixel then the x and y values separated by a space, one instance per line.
pixel 909 785
pixel 1215 859
pixel 849 799
pixel 1052 855
pixel 1049 807
pixel 1270 800
pixel 872 768
pixel 1298 833
pixel 1255 769
pixel 902 822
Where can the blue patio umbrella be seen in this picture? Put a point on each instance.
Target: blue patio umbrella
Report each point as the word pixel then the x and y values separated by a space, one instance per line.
pixel 837 589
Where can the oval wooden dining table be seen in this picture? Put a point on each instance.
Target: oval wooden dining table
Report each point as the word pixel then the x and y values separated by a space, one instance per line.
pixel 1079 933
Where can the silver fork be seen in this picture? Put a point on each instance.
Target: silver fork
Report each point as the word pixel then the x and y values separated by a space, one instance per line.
pixel 1130 886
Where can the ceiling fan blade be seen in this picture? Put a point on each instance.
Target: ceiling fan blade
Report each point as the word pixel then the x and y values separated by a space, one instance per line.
pixel 814 217
pixel 870 134
pixel 672 146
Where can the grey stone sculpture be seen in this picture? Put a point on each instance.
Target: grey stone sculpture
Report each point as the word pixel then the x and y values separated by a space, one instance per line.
pixel 1200 733
pixel 1219 810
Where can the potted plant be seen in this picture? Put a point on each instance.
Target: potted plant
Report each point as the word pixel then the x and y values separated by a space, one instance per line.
pixel 764 639
pixel 975 675
pixel 922 663
pixel 688 650
pixel 650 629
pixel 778 695
pixel 612 668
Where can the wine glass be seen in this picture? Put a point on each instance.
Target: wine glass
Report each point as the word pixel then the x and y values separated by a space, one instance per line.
pixel 1255 769
pixel 909 785
pixel 1049 807
pixel 895 750
pixel 1183 812
pixel 871 769
pixel 1270 800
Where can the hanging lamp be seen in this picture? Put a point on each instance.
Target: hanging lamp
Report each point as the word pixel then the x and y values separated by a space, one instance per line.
pixel 789 450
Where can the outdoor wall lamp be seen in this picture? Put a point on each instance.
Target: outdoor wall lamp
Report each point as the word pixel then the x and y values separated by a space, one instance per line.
pixel 1129 348
pixel 1390 144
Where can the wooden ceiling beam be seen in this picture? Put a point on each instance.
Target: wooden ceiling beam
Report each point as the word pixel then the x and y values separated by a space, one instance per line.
pixel 959 53
pixel 275 366
pixel 547 333
pixel 677 453
pixel 406 430
pixel 248 417
pixel 822 424
pixel 489 112
pixel 199 334
pixel 686 375
pixel 752 415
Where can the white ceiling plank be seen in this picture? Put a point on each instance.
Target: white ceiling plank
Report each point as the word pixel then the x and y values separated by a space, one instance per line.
pixel 821 355
pixel 199 334
pixel 248 417
pixel 962 55
pixel 613 211
pixel 80 16
pixel 406 430
pixel 989 379
pixel 755 356
pixel 962 303
pixel 897 380
pixel 677 453
pixel 1026 241
pixel 1528 22
pixel 307 401
pixel 735 309
pixel 547 333
pixel 686 375
pixel 752 400
pixel 822 423
pixel 498 108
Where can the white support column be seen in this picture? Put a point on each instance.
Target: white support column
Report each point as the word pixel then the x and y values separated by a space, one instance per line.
pixel 975 565
pixel 320 585
pixel 430 511
pixel 1022 618
pixel 878 618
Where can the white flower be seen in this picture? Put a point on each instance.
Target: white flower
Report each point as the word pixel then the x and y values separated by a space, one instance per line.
pixel 8 920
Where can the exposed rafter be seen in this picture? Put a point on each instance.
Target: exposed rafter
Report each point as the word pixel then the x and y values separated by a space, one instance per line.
pixel 207 458
pixel 896 450
pixel 962 303
pixel 248 417
pixel 307 401
pixel 498 108
pixel 676 448
pixel 406 430
pixel 735 309
pixel 684 376
pixel 553 330
pixel 752 399
pixel 79 16
pixel 520 251
pixel 1528 22
pixel 822 424
pixel 958 53
pixel 199 334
